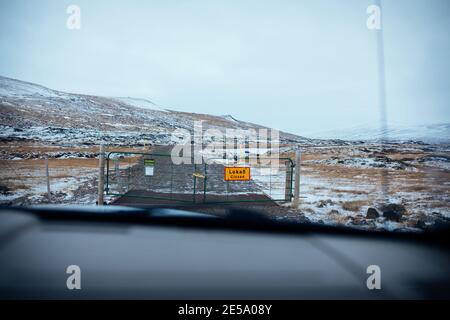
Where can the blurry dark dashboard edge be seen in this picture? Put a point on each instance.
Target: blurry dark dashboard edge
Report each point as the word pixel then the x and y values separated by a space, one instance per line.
pixel 238 219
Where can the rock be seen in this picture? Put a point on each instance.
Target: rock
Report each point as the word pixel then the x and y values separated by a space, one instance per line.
pixel 358 220
pixel 433 224
pixel 392 215
pixel 4 190
pixel 421 224
pixel 393 212
pixel 324 203
pixel 372 213
pixel 334 211
pixel 394 207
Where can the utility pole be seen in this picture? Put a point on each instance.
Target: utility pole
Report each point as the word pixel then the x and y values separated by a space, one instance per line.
pixel 101 176
pixel 296 202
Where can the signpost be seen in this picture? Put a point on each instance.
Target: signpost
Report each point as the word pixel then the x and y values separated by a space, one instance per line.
pixel 236 174
pixel 149 165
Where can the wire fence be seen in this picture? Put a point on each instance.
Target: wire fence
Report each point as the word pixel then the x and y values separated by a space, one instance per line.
pixel 34 181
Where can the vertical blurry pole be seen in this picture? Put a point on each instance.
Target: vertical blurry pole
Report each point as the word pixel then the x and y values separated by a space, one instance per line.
pixel 382 94
pixel 47 175
pixel 381 75
pixel 296 202
pixel 101 175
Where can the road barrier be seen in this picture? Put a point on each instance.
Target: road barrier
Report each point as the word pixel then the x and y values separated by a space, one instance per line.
pixel 155 176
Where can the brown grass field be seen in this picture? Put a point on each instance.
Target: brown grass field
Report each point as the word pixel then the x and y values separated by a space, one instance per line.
pixel 329 192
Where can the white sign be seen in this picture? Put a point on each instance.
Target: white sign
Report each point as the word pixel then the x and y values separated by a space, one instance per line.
pixel 149 165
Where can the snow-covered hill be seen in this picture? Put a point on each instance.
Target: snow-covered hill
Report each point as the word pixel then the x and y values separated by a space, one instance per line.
pixel 395 132
pixel 32 111
pixel 140 103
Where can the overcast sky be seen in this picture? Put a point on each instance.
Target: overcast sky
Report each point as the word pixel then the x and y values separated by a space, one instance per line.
pixel 301 66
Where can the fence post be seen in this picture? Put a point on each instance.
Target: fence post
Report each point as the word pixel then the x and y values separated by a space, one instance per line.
pixel 101 176
pixel 47 175
pixel 296 202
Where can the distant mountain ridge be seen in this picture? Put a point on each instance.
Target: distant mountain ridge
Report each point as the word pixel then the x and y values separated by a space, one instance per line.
pixel 395 132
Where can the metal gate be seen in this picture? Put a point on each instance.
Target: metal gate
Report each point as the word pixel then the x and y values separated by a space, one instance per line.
pixel 155 176
pixel 267 183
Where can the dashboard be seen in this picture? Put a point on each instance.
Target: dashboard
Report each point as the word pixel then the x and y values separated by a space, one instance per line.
pixel 39 257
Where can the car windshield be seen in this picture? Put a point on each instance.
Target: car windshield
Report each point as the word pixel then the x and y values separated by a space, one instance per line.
pixel 306 111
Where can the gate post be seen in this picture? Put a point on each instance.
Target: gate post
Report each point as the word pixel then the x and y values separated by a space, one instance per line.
pixel 101 176
pixel 296 202
pixel 288 184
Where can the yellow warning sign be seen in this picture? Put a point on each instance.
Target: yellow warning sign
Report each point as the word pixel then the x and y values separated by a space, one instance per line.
pixel 236 174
